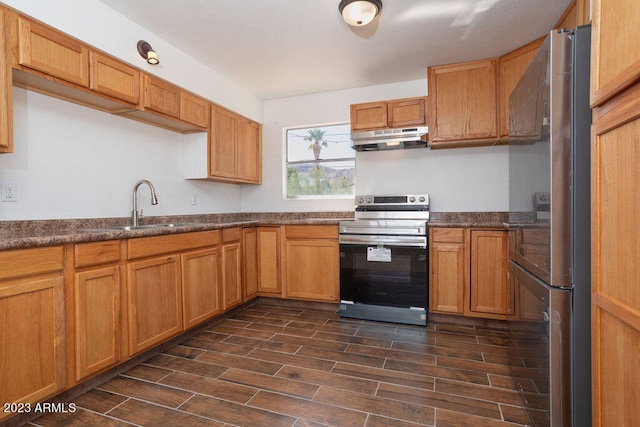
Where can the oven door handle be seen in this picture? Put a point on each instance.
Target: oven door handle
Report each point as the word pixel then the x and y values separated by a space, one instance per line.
pixel 413 241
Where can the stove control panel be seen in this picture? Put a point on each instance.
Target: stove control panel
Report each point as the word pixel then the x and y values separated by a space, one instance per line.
pixel 392 200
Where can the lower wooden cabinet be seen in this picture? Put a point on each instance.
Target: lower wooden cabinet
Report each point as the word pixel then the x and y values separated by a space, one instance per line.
pixel 249 263
pixel 154 301
pixel 32 315
pixel 96 311
pixel 469 273
pixel 200 286
pixel 447 278
pixel 488 278
pixel 269 263
pixel 97 320
pixel 231 268
pixel 312 263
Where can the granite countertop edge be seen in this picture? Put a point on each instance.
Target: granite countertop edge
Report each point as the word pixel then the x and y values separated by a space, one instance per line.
pixel 36 233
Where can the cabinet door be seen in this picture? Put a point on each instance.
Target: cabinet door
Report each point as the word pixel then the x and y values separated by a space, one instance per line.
pixel 447 278
pixel 155 307
pixel 97 320
pixel 407 112
pixel 194 109
pixel 249 262
pixel 32 339
pixel 249 150
pixel 512 67
pixel 161 96
pixel 313 270
pixel 489 293
pixel 6 90
pixel 113 78
pixel 222 141
pixel 447 267
pixel 269 260
pixel 371 115
pixel 231 275
pixel 200 286
pixel 463 103
pixel 615 254
pixel 615 57
pixel 51 52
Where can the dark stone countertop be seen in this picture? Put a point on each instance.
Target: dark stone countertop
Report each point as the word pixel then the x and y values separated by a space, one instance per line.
pixel 34 233
pixel 25 234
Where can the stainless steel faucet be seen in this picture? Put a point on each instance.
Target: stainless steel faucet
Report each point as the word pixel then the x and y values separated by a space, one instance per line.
pixel 154 200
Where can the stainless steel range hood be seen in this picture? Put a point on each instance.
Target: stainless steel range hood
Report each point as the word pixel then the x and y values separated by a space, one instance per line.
pixel 390 139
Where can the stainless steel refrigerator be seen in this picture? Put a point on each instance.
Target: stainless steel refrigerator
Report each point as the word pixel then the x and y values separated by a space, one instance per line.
pixel 549 232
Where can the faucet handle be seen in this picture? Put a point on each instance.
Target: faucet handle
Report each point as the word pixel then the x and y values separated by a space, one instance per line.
pixel 141 215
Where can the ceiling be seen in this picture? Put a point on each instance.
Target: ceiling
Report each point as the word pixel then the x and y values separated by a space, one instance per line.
pixel 280 48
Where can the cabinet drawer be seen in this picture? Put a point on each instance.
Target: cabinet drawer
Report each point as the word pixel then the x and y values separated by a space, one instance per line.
pixel 27 262
pixel 311 232
pixel 447 235
pixel 46 50
pixel 157 245
pixel 231 234
pixel 95 253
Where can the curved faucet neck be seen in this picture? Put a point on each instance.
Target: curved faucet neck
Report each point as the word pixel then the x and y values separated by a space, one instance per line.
pixel 135 216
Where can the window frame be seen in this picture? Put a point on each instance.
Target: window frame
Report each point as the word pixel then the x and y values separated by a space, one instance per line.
pixel 286 163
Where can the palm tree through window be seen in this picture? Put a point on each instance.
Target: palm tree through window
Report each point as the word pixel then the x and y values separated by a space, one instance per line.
pixel 320 162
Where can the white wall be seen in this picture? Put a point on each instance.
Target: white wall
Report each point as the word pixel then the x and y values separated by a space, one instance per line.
pixel 458 180
pixel 75 162
pixel 72 162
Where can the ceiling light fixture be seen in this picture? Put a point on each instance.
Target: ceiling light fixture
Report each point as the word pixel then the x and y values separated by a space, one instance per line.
pixel 146 51
pixel 358 13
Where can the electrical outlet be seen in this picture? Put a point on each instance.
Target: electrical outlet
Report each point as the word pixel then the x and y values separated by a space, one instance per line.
pixel 9 192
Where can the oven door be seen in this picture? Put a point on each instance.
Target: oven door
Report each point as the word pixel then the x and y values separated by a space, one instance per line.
pixel 388 271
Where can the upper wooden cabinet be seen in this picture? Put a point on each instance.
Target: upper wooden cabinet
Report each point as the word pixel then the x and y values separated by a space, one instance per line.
pixel 53 53
pixel 6 92
pixel 388 114
pixel 235 147
pixel 463 104
pixel 113 78
pixel 511 68
pixel 223 161
pixel 161 96
pixel 194 109
pixel 371 115
pixel 615 57
pixel 249 150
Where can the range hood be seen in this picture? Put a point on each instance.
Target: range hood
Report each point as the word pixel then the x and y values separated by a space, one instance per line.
pixel 390 139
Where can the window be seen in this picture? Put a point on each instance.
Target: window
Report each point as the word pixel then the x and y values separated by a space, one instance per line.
pixel 320 162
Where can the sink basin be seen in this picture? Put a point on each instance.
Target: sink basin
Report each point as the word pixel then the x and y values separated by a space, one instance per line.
pixel 139 227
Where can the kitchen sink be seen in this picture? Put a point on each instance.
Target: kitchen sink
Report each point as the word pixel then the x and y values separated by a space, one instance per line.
pixel 140 227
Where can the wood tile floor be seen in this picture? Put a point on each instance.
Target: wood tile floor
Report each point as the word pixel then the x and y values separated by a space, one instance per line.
pixel 278 366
